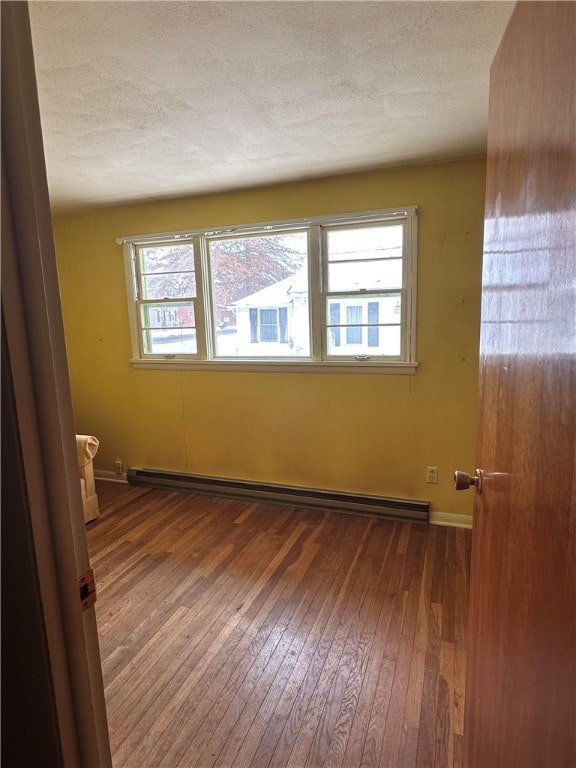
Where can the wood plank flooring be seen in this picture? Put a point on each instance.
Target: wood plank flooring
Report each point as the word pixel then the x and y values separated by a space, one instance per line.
pixel 239 634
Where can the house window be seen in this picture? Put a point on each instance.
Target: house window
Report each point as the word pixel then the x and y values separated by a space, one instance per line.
pixel 268 325
pixel 330 293
pixel 354 319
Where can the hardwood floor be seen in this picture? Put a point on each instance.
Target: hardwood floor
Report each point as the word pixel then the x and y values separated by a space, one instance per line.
pixel 241 634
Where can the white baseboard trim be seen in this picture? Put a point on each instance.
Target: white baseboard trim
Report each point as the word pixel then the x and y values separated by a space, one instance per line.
pixel 450 520
pixel 111 477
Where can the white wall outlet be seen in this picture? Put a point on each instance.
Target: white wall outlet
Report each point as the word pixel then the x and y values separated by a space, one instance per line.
pixel 118 466
pixel 431 474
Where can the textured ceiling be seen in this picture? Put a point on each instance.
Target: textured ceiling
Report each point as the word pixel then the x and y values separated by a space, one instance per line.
pixel 143 100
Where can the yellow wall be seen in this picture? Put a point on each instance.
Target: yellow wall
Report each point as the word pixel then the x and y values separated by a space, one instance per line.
pixel 365 433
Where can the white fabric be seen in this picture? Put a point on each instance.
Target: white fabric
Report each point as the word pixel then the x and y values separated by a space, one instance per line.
pixel 86 448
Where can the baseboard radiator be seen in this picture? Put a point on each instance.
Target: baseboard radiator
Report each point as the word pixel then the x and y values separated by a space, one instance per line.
pixel 352 503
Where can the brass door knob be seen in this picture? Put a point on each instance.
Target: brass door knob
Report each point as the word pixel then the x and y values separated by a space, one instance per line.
pixel 463 481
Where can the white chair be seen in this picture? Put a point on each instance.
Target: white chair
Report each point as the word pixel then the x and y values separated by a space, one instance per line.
pixel 86 448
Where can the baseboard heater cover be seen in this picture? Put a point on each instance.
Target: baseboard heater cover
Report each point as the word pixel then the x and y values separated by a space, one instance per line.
pixel 376 506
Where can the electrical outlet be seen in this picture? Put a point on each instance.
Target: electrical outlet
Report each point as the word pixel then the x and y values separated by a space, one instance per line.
pixel 118 466
pixel 431 474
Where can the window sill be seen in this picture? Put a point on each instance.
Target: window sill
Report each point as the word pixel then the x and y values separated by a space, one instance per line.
pixel 277 366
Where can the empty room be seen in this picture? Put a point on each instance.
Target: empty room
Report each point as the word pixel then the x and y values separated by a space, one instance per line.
pixel 289 384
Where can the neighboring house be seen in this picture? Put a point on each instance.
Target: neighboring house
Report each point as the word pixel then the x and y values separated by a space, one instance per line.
pixel 274 322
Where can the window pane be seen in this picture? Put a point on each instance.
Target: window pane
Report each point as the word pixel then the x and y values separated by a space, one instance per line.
pixel 268 325
pixel 268 333
pixel 365 257
pixel 268 316
pixel 260 294
pixel 353 335
pixel 171 285
pixel 334 320
pixel 387 310
pixel 381 242
pixel 388 342
pixel 358 325
pixel 178 257
pixel 372 275
pixel 354 317
pixel 174 341
pixel 180 315
pixel 373 330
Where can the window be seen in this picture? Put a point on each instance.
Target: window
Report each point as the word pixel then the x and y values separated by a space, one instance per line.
pixel 319 294
pixel 269 325
pixel 354 319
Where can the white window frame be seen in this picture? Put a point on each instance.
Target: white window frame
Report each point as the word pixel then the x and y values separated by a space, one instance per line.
pixel 319 360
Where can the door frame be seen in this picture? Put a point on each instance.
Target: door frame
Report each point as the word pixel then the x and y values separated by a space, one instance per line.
pixel 43 405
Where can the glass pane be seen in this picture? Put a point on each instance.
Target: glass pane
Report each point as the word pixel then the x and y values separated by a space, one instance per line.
pixel 260 294
pixel 268 317
pixel 171 285
pixel 375 341
pixel 172 341
pixel 268 325
pixel 364 325
pixel 353 335
pixel 353 317
pixel 380 242
pixel 371 275
pixel 374 309
pixel 171 315
pixel 268 333
pixel 178 257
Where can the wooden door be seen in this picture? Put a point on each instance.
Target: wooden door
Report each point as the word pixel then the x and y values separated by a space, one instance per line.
pixel 521 683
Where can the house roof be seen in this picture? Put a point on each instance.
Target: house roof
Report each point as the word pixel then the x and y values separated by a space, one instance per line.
pixel 277 295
